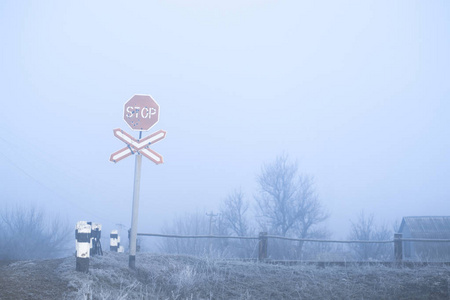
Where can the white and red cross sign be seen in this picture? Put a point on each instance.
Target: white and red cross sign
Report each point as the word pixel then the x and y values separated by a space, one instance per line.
pixel 138 146
pixel 141 112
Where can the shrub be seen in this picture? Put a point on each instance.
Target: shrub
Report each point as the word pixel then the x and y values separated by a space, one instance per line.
pixel 26 233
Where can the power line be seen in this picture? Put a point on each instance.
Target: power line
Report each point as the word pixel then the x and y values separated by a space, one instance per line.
pixel 22 170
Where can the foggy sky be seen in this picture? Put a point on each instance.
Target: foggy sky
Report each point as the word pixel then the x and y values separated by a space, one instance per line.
pixel 357 92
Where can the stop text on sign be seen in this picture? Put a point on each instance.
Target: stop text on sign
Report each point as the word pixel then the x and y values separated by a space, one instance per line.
pixel 137 112
pixel 141 112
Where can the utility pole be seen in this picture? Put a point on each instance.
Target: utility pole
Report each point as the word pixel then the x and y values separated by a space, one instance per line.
pixel 211 215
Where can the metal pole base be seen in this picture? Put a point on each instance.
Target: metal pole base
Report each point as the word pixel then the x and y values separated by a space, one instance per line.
pixel 132 262
pixel 82 264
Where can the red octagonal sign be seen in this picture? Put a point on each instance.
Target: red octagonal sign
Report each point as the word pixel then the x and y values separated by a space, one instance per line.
pixel 141 112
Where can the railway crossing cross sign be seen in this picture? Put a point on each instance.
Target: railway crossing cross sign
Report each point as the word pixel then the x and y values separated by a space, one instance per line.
pixel 140 146
pixel 141 113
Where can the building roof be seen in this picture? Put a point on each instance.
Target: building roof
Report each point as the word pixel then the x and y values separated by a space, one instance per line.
pixel 427 227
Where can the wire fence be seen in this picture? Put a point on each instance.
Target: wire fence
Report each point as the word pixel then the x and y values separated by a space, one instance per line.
pixel 199 236
pixel 291 239
pixel 398 241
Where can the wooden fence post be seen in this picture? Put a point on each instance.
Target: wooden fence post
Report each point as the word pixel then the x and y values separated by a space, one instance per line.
pixel 398 249
pixel 262 254
pixel 83 245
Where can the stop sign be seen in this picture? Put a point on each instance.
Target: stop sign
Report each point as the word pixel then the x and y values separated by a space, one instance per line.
pixel 141 112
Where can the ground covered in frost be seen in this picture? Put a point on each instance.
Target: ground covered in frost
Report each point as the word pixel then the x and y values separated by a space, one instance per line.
pixel 184 277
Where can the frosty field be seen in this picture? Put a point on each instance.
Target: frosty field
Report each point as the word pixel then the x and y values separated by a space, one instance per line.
pixel 185 277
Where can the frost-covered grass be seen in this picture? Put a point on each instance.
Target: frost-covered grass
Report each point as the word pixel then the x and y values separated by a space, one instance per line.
pixel 185 277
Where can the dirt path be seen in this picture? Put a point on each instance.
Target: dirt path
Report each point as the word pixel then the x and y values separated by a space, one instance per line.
pixel 32 280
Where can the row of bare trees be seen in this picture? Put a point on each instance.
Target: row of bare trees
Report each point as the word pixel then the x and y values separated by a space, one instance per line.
pixel 285 204
pixel 27 233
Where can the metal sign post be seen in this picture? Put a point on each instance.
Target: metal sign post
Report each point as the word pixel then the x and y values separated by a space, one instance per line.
pixel 141 112
pixel 134 213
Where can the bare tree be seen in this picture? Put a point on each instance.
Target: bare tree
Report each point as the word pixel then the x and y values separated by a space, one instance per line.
pixel 234 217
pixel 26 234
pixel 233 212
pixel 189 224
pixel 287 202
pixel 365 229
pixel 194 224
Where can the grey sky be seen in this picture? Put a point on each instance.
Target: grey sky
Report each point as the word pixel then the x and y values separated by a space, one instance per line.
pixel 356 91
